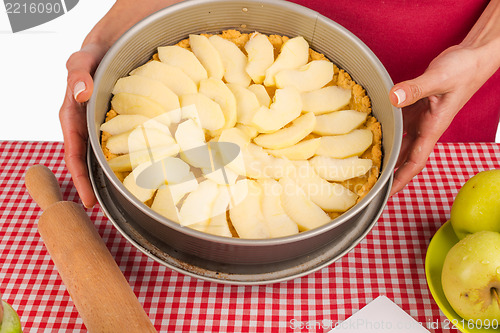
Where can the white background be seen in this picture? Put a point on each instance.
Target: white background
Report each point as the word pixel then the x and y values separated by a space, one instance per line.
pixel 33 72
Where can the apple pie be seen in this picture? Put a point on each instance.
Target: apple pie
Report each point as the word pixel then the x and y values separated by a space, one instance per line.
pixel 243 135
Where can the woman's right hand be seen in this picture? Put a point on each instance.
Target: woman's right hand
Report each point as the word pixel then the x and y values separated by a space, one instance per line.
pixel 81 66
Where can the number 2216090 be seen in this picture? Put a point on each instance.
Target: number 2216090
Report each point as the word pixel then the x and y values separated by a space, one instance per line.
pixel 471 324
pixel 33 8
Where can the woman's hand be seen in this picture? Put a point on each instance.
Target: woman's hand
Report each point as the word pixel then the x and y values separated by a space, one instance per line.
pixel 81 66
pixel 431 101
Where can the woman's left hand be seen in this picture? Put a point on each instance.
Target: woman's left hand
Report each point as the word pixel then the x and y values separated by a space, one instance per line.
pixel 431 101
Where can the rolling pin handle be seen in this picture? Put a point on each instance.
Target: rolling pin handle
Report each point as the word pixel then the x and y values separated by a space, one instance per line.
pixel 42 185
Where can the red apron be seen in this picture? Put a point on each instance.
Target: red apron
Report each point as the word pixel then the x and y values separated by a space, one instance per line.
pixel 406 35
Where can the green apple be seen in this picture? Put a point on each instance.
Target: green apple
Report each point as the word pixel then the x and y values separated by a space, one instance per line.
pixel 477 204
pixel 471 276
pixel 9 320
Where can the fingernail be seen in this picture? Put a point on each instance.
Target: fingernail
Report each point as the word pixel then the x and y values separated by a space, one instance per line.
pixel 88 206
pixel 79 88
pixel 401 95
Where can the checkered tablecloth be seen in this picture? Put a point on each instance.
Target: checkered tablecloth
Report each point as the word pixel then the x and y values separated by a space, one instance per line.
pixel 389 261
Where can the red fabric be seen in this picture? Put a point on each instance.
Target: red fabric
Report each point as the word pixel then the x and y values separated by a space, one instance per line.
pixel 406 35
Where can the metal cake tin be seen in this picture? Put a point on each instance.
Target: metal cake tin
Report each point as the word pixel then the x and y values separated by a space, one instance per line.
pixel 349 235
pixel 175 23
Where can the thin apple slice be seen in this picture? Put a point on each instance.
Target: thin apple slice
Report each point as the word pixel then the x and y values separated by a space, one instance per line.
pixel 233 59
pixel 221 176
pixel 164 204
pixel 339 170
pixel 127 162
pixel 208 55
pixel 252 167
pixel 168 120
pixel 249 130
pixel 312 76
pixel 235 135
pixel 303 211
pixel 345 145
pixel 286 106
pixel 152 89
pixel 260 53
pixel 246 216
pixel 191 140
pixel 278 222
pixel 220 93
pixel 209 112
pixel 174 78
pixel 324 100
pixel 123 123
pixel 247 103
pixel 331 197
pixel 196 209
pixel 300 151
pixel 183 59
pixel 238 137
pixel 218 224
pixel 288 136
pixel 179 191
pixel 162 120
pixel 170 170
pixel 339 122
pixel 259 164
pixel 294 53
pixel 238 192
pixel 174 115
pixel 262 95
pixel 167 197
pixel 191 112
pixel 141 193
pixel 140 138
pixel 161 123
pixel 131 104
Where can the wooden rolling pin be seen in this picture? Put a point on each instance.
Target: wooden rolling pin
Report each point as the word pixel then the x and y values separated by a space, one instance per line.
pixel 94 281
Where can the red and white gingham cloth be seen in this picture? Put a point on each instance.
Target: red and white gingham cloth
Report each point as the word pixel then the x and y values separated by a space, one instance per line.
pixel 389 261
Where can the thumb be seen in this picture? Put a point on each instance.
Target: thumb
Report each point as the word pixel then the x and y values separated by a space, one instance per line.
pixel 408 92
pixel 81 84
pixel 81 66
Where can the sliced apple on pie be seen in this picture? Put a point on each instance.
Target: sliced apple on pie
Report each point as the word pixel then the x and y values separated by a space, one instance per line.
pixel 248 136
